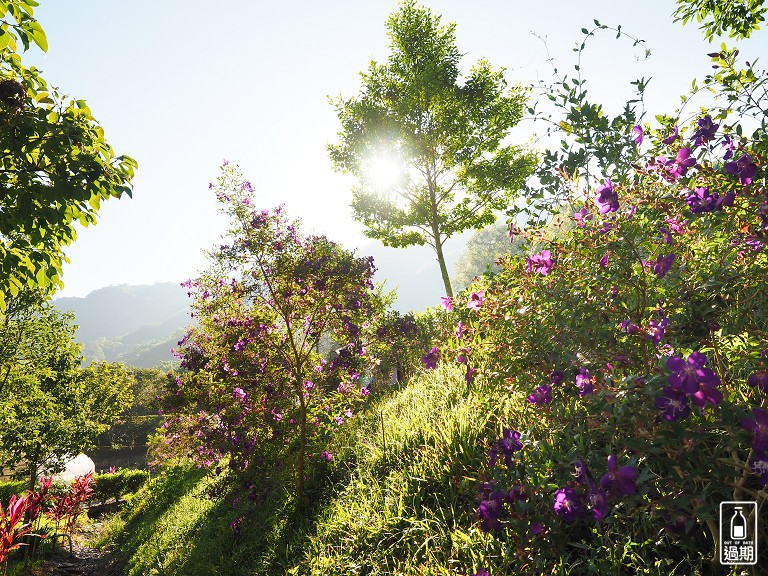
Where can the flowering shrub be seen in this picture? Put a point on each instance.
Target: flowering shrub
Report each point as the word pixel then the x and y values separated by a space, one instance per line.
pixel 635 330
pixel 255 387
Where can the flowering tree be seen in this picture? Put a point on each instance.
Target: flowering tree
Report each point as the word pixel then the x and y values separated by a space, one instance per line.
pixel 255 385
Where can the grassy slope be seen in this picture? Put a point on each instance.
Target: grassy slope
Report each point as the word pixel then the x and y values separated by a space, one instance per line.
pixel 397 502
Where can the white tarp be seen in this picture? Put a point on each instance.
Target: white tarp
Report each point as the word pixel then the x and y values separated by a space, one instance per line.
pixel 77 466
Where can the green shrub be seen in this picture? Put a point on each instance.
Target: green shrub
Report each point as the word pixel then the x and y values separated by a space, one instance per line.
pixel 8 489
pixel 116 485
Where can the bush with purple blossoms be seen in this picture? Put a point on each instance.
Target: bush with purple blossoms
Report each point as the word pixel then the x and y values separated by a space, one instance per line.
pixel 254 386
pixel 651 303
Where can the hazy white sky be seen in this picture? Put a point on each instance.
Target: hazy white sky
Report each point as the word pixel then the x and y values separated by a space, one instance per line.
pixel 181 85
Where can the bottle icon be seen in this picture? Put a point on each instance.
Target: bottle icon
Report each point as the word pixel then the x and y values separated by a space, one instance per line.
pixel 738 525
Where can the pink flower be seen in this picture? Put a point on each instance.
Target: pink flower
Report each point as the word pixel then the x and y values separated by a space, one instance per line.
pixel 541 263
pixel 475 300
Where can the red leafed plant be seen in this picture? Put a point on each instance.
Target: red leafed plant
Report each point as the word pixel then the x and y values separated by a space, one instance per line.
pixel 12 527
pixel 68 508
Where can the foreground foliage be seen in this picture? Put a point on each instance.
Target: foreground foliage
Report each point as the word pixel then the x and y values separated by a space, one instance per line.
pixel 56 167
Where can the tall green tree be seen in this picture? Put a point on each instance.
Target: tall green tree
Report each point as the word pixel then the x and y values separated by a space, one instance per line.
pixel 50 408
pixel 55 165
pixel 449 137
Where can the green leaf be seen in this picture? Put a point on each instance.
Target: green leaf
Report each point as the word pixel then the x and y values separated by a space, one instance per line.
pixel 38 35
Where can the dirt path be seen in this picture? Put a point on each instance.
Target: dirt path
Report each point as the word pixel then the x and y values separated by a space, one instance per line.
pixel 84 562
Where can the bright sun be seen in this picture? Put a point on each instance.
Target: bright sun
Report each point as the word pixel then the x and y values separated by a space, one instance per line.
pixel 383 172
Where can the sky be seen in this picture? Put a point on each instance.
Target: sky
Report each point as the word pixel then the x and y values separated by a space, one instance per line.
pixel 181 85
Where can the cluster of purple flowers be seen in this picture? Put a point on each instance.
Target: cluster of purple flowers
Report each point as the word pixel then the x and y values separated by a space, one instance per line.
pixel 506 446
pixel 701 200
pixel 492 505
pixel 543 394
pixel 688 379
pixel 584 496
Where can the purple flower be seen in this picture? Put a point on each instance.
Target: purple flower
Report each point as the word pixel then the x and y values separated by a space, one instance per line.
pixel 541 263
pixel 505 446
pixel 705 132
pixel 619 482
pixel 672 137
pixel 582 217
pixel 759 379
pixel 482 572
pixel 431 359
pixel 754 243
pixel 469 377
pixel 326 455
pixel 584 382
pixel 364 392
pixel 687 375
pixel 663 265
pixel 460 329
pixel 729 146
pixel 657 330
pixel 678 167
pixel 707 394
pixel 701 201
pixel 537 528
pixel 606 200
pixel 598 502
pixel 475 300
pixel 542 395
pixel 674 404
pixel 744 168
pixel 568 505
pixel 629 327
pixel 556 377
pixel 759 466
pixel 447 303
pixel 639 134
pixel 239 394
pixel 758 425
pixel 581 473
pixel 604 260
pixel 236 526
pixel 490 511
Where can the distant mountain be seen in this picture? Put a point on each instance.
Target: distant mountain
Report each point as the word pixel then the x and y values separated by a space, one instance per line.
pixel 137 325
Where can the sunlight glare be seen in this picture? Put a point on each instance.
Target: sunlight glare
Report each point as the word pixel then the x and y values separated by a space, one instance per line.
pixel 383 172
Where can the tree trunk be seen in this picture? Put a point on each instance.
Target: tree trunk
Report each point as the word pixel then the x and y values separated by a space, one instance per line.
pixel 302 450
pixel 443 268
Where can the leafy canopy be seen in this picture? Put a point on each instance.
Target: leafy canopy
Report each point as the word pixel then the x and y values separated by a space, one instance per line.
pixel 457 169
pixel 50 408
pixel 55 165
